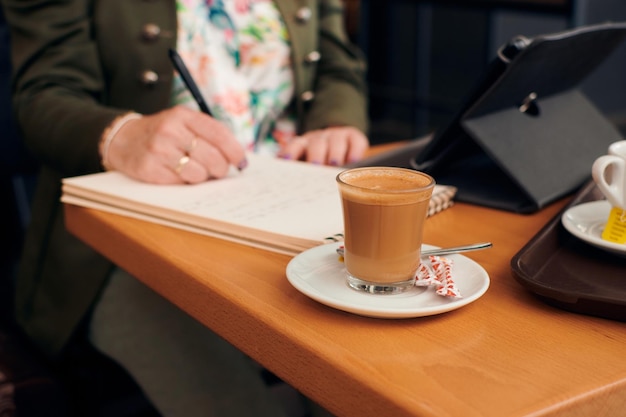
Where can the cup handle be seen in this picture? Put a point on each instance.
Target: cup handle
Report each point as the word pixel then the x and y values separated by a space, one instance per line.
pixel 613 188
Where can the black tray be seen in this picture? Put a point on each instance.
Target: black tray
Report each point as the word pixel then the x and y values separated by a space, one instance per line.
pixel 569 273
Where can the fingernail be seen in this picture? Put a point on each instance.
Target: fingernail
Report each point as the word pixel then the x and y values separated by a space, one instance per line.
pixel 242 165
pixel 333 162
pixel 285 156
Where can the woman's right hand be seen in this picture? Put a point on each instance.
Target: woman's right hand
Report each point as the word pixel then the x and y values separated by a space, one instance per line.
pixel 175 146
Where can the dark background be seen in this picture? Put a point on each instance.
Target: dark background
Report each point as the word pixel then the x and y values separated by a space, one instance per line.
pixel 424 56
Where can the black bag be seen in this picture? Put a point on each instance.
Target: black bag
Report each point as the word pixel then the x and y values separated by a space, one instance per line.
pixel 527 135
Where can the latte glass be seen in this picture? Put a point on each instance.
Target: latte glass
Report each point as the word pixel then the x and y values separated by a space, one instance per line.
pixel 384 210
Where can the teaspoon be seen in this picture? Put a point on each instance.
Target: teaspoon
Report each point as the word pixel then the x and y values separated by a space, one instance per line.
pixel 445 251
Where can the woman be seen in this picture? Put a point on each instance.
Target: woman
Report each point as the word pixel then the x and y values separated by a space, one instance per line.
pixel 94 89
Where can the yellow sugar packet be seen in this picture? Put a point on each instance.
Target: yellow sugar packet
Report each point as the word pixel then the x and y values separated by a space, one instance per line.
pixel 615 229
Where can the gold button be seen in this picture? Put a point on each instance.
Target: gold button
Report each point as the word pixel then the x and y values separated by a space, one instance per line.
pixel 303 14
pixel 150 32
pixel 149 77
pixel 312 57
pixel 307 96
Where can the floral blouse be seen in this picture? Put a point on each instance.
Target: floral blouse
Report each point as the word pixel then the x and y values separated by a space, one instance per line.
pixel 238 52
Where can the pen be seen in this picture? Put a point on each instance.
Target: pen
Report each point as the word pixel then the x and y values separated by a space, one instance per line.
pixel 191 85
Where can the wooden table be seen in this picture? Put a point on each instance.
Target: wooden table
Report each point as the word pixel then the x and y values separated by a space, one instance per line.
pixel 506 354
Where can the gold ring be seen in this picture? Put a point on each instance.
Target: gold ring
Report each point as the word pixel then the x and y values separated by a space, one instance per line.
pixel 192 145
pixel 184 160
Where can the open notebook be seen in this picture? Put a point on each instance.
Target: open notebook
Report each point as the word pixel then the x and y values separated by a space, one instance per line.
pixel 281 206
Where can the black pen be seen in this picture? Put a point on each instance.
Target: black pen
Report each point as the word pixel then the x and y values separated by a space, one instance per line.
pixel 191 85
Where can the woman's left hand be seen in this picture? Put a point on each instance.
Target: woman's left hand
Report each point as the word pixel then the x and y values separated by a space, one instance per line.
pixel 337 145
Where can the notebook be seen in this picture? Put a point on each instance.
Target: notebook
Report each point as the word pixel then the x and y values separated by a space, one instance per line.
pixel 278 205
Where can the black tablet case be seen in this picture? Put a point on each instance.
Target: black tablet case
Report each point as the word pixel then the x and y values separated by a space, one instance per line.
pixel 527 135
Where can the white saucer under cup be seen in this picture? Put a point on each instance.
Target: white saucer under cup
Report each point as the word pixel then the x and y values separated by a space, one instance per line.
pixel 586 221
pixel 319 274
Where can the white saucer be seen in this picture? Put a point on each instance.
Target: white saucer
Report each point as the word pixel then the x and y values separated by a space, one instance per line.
pixel 319 274
pixel 586 221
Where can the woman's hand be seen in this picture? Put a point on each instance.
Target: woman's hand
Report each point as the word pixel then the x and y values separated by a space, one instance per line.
pixel 175 146
pixel 337 145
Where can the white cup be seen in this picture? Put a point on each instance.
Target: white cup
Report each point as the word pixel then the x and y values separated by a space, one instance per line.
pixel 609 173
pixel 618 149
pixel 608 182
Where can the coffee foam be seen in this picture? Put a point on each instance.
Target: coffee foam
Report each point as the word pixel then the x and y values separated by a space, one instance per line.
pixel 386 185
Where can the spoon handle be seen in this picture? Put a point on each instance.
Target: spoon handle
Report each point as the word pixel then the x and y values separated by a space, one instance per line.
pixel 446 251
pixel 456 249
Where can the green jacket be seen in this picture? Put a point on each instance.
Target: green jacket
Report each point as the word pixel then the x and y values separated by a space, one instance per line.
pixel 80 63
